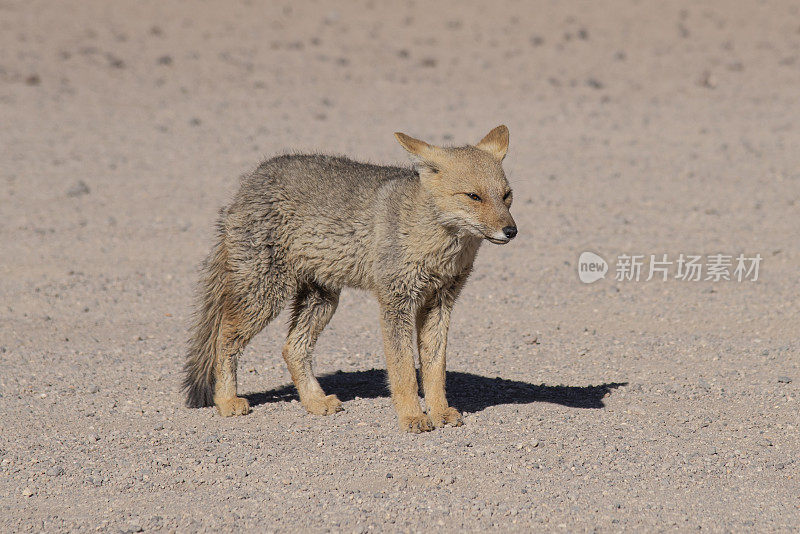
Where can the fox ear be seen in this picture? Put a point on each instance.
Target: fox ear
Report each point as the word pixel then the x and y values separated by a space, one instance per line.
pixel 422 154
pixel 415 147
pixel 495 142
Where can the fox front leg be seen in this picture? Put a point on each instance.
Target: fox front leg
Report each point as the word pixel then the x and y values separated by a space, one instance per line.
pixel 433 322
pixel 397 323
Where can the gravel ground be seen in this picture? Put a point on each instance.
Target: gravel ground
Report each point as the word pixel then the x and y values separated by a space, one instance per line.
pixel 636 128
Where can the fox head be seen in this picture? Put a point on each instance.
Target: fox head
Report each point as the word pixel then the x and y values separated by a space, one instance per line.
pixel 467 184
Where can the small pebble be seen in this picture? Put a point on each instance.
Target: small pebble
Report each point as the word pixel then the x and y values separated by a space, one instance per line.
pixel 55 471
pixel 594 83
pixel 79 189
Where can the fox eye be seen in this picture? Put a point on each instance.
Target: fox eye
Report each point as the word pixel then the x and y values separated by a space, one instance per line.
pixel 473 196
pixel 508 194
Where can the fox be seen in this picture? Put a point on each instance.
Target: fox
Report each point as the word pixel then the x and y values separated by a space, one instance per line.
pixel 303 227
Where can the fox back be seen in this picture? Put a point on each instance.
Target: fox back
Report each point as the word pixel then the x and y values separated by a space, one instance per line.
pixel 333 219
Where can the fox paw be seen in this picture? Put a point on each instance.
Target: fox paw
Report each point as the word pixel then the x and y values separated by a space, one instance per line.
pixel 449 417
pixel 416 424
pixel 233 406
pixel 323 405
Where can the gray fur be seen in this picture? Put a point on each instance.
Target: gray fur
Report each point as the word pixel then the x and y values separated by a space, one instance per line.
pixel 302 227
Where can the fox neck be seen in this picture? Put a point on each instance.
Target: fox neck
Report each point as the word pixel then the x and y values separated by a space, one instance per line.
pixel 436 241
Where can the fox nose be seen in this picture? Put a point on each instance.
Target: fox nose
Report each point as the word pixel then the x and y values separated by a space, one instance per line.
pixel 510 231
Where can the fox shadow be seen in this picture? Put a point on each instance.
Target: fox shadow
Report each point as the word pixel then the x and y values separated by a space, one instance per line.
pixel 466 391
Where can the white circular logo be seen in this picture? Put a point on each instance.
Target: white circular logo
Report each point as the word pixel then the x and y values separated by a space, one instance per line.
pixel 591 267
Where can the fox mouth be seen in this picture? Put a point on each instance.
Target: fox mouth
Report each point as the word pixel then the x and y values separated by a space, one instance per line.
pixel 491 239
pixel 497 241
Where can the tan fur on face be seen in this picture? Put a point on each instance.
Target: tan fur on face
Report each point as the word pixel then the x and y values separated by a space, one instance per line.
pixel 451 174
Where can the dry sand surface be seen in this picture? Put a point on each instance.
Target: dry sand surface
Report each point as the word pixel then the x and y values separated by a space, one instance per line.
pixel 636 128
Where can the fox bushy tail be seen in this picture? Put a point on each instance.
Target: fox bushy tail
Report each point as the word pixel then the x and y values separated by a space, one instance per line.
pixel 199 368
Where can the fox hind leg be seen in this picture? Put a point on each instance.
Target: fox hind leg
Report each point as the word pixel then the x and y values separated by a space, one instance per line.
pixel 243 318
pixel 230 343
pixel 313 307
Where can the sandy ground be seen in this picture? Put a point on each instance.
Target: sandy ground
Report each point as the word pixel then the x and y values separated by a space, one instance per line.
pixel 636 128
